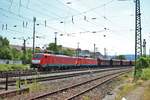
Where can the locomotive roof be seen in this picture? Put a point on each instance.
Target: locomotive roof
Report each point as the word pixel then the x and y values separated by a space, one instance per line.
pixel 61 55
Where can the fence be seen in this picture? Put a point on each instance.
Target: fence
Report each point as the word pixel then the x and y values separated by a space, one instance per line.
pixel 2 61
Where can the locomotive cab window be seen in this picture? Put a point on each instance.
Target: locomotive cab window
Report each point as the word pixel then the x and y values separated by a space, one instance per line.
pixel 37 56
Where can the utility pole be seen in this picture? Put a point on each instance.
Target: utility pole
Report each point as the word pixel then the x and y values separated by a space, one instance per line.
pixel 24 50
pixel 55 41
pixel 94 52
pixel 34 21
pixel 78 49
pixel 55 38
pixel 144 47
pixel 105 52
pixel 138 35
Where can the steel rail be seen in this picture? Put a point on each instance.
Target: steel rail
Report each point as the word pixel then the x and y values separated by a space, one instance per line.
pixel 15 92
pixel 39 79
pixel 74 86
pixel 89 89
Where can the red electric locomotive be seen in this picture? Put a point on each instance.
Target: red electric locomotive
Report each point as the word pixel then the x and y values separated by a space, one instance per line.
pixel 50 61
pixel 43 61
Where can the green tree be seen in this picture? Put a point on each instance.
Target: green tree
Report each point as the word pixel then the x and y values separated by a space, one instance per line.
pixel 4 41
pixel 58 49
pixel 37 50
pixel 5 51
pixel 143 62
pixel 68 52
pixel 55 48
pixel 16 54
pixel 29 55
pixel 121 57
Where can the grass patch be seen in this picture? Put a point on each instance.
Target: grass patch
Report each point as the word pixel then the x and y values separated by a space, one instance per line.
pixel 146 74
pixel 128 77
pixel 130 86
pixel 124 90
pixel 146 95
pixel 9 67
pixel 86 98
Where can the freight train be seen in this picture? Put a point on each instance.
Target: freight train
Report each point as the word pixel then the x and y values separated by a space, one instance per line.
pixel 43 61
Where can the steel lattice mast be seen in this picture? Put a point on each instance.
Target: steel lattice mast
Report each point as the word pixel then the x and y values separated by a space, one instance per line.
pixel 138 35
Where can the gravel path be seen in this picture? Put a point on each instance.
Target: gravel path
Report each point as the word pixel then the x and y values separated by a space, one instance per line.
pixel 137 94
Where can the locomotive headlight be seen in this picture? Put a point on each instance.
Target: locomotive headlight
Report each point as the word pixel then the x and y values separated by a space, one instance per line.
pixel 35 61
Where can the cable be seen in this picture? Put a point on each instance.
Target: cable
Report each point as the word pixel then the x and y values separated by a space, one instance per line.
pixel 50 27
pixel 11 2
pixel 26 18
pixel 32 10
pixel 89 10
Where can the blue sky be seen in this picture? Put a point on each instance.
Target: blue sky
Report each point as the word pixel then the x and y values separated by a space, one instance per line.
pixel 83 21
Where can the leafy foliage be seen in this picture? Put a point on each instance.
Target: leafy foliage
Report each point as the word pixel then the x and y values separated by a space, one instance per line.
pixel 7 67
pixel 58 49
pixel 121 57
pixel 12 53
pixel 146 74
pixel 142 63
pixel 28 56
pixel 54 47
pixel 68 52
pixel 4 41
pixel 16 54
pixel 5 52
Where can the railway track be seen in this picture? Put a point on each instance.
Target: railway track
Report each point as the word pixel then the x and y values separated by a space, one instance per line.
pixel 15 92
pixel 74 91
pixel 3 74
pixel 52 76
pixel 62 90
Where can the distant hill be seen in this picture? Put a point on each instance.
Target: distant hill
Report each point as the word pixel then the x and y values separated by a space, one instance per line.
pixel 130 57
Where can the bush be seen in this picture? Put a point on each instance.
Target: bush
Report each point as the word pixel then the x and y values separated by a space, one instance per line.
pixel 8 67
pixel 143 62
pixel 146 74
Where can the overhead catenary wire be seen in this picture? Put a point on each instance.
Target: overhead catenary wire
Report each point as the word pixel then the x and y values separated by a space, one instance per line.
pixel 72 16
pixel 89 10
pixel 34 10
pixel 30 20
pixel 87 21
pixel 98 6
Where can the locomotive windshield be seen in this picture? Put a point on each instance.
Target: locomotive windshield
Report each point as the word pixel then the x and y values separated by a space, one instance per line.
pixel 37 56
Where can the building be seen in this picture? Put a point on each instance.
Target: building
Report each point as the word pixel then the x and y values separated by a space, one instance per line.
pixel 18 47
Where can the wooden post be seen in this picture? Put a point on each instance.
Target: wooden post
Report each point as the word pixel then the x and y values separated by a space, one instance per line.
pixel 6 85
